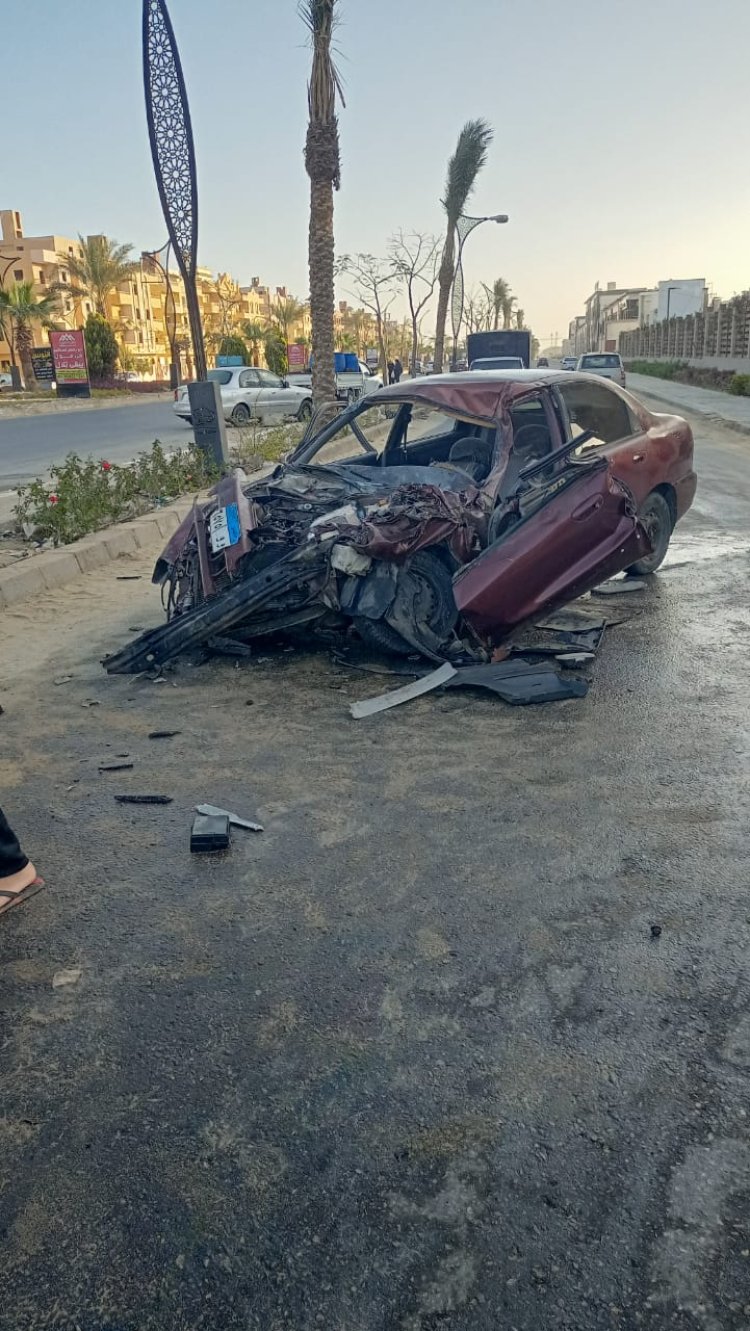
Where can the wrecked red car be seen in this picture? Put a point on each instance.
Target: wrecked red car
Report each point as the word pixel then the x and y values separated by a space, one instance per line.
pixel 439 520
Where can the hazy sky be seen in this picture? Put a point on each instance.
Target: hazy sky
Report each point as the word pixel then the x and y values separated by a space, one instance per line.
pixel 622 134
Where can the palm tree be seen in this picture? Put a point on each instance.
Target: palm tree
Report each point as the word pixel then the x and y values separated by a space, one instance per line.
pixel 497 295
pixel 508 304
pixel 463 168
pixel 253 333
pixel 19 309
pixel 285 313
pixel 520 319
pixel 99 269
pixel 323 165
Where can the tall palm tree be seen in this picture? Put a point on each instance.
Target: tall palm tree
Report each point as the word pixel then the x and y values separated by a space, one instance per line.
pixel 508 304
pixel 520 318
pixel 254 334
pixel 285 313
pixel 20 308
pixel 463 168
pixel 323 165
pixel 99 269
pixel 497 295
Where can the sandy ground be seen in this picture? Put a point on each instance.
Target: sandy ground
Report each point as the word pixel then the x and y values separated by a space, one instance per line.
pixel 410 1059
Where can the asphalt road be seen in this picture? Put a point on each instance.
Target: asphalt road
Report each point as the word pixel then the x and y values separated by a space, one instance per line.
pixel 28 447
pixel 412 1059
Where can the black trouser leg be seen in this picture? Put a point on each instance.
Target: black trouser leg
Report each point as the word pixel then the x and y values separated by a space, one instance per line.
pixel 12 858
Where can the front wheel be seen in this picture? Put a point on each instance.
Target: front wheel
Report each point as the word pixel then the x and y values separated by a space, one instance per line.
pixel 656 516
pixel 305 410
pixel 241 414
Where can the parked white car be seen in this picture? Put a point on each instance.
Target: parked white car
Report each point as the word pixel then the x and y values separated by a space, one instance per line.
pixel 248 395
pixel 605 363
pixel 6 380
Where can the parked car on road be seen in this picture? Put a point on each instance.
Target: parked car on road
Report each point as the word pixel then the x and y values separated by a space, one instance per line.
pixel 568 362
pixel 542 363
pixel 6 380
pixel 472 504
pixel 497 363
pixel 605 363
pixel 248 394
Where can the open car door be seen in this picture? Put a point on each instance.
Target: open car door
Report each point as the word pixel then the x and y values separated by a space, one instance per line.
pixel 570 525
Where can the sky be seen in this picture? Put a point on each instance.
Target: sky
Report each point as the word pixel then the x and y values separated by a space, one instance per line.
pixel 621 145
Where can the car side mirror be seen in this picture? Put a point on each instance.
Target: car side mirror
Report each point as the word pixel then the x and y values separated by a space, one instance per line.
pixel 285 383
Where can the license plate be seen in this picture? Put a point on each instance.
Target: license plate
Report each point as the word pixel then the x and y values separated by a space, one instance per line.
pixel 224 527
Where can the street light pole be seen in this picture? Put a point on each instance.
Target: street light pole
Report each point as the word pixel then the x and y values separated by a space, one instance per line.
pixel 669 297
pixel 464 227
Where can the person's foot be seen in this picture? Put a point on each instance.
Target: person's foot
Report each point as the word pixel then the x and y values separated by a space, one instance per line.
pixel 18 887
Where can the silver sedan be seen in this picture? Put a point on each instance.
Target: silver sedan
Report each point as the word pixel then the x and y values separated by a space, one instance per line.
pixel 249 394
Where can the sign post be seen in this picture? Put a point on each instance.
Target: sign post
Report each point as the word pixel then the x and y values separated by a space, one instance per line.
pixel 43 365
pixel 71 366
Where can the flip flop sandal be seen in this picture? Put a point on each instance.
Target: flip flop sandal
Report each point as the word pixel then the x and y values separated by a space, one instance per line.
pixel 22 894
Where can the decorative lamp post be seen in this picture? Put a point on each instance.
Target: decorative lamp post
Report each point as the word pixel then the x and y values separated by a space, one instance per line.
pixel 172 151
pixel 464 227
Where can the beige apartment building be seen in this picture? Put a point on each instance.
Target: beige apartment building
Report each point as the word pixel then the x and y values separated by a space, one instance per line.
pixel 137 308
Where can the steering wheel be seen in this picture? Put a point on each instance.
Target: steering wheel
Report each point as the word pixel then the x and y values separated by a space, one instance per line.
pixel 473 454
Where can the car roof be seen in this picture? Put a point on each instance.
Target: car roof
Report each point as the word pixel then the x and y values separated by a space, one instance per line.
pixel 483 395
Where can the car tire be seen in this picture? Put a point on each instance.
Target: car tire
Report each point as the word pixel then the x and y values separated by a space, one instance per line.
pixel 241 414
pixel 432 572
pixel 305 410
pixel 656 516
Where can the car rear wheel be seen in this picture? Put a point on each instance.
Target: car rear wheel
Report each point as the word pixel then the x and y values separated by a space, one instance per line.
pixel 305 410
pixel 431 592
pixel 656 516
pixel 241 414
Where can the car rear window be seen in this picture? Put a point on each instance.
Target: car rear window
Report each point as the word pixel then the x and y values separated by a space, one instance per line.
pixel 600 362
pixel 220 376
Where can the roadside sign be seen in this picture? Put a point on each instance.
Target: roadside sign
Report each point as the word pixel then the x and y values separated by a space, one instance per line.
pixel 223 361
pixel 43 364
pixel 71 367
pixel 295 356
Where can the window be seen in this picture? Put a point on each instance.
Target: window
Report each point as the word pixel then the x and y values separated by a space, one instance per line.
pixel 598 408
pixel 220 376
pixel 428 423
pixel 603 362
pixel 63 276
pixel 18 274
pixel 249 379
pixel 42 278
pixel 268 380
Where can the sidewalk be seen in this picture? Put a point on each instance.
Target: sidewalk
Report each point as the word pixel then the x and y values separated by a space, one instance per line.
pixel 723 408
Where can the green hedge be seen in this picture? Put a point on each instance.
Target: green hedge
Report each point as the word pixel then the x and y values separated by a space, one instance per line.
pixel 726 381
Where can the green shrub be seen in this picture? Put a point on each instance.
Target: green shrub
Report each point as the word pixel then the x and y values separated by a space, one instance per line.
pixel 658 369
pixel 86 494
pixel 252 444
pixel 232 345
pixel 739 384
pixel 101 347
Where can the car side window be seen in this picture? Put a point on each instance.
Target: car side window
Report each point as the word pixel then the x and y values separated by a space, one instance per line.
pixel 268 380
pixel 598 408
pixel 249 379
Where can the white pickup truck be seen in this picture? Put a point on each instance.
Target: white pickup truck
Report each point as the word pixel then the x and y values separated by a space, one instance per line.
pixel 350 384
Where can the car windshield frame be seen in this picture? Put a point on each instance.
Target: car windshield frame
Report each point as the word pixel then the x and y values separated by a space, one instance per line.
pixel 306 451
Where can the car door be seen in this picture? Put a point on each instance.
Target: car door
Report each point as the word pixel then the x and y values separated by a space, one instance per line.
pixel 248 390
pixel 575 528
pixel 617 432
pixel 275 401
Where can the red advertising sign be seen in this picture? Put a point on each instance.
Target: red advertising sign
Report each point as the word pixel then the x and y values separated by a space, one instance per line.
pixel 69 355
pixel 295 356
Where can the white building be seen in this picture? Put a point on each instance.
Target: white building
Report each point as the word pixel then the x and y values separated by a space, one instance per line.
pixel 677 297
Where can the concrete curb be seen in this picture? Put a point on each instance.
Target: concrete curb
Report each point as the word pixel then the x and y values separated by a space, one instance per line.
pixel 56 568
pixel 680 407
